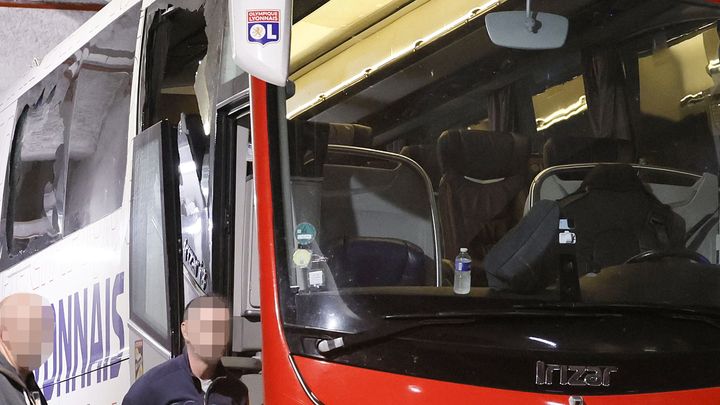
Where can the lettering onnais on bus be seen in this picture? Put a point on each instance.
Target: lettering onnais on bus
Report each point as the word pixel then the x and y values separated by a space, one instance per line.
pixel 89 339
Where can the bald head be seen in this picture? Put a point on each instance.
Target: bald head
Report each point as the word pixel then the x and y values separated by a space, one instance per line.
pixel 27 325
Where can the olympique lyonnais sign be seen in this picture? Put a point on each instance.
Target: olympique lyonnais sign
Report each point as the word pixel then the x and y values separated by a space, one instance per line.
pixel 263 26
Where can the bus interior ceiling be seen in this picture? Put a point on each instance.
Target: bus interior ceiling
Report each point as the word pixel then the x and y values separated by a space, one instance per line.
pixel 446 83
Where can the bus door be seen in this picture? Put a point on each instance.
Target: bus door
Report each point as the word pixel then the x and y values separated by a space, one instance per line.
pixel 172 167
pixel 171 234
pixel 195 100
pixel 235 249
pixel 156 290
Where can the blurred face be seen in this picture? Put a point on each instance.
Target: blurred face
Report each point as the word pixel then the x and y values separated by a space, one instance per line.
pixel 207 332
pixel 27 325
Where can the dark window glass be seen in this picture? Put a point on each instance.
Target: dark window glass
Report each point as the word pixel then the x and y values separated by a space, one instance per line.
pixel 148 261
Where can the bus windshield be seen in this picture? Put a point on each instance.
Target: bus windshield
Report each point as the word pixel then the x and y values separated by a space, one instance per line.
pixel 586 174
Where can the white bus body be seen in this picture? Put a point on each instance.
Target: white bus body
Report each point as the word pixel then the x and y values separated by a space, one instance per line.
pixel 78 269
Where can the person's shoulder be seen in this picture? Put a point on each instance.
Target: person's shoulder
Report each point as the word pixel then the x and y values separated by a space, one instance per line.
pixel 163 370
pixel 154 379
pixel 9 393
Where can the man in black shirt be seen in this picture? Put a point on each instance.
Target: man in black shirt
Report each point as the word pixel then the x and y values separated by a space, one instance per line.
pixel 26 341
pixel 196 376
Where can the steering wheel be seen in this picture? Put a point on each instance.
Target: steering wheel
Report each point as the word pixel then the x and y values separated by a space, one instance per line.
pixel 654 254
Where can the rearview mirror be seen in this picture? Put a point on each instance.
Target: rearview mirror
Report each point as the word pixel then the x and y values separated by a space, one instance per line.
pixel 523 30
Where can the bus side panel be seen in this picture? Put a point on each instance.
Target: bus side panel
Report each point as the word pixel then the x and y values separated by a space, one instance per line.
pixel 110 391
pixel 84 278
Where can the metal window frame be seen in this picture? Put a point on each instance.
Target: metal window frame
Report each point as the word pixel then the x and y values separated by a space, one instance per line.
pixel 373 153
pixel 173 269
pixel 540 178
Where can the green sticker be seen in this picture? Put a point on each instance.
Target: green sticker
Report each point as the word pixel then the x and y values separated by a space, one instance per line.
pixel 305 233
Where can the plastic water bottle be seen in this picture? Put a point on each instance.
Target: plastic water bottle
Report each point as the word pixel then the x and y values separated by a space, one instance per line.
pixel 463 262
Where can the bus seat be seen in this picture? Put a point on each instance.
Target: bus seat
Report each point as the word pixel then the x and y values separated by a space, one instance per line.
pixel 312 139
pixel 368 262
pixel 616 216
pixel 482 187
pixel 32 229
pixel 693 197
pixel 426 157
pixel 573 149
pixel 350 135
pixel 375 202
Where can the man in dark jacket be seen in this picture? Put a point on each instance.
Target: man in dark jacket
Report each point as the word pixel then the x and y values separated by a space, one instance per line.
pixel 196 377
pixel 26 341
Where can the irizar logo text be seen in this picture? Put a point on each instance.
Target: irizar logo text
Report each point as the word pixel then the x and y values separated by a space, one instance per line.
pixel 578 376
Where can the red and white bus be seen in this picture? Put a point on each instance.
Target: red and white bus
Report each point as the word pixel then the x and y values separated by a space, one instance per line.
pixel 323 162
pixel 582 179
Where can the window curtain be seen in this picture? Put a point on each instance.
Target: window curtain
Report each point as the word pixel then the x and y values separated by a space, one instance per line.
pixel 510 109
pixel 501 110
pixel 609 93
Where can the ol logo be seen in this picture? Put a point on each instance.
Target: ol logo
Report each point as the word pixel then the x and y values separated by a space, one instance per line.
pixel 263 26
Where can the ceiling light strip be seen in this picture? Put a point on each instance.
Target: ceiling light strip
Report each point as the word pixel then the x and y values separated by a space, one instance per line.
pixel 473 14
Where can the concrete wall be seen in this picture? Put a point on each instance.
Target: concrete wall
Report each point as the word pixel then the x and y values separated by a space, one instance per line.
pixel 27 33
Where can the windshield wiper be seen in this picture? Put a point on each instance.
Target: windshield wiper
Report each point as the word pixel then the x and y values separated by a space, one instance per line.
pixel 381 333
pixel 514 311
pixel 707 316
pixel 404 322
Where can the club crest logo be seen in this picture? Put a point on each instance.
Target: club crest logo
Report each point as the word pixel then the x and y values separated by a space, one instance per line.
pixel 263 26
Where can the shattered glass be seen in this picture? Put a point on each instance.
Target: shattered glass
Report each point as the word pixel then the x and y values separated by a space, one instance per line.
pixel 67 167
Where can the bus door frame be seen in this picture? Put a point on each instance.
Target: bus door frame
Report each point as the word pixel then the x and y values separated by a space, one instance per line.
pixel 169 173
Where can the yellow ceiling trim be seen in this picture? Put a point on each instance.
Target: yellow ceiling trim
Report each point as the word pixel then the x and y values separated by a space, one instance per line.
pixel 412 31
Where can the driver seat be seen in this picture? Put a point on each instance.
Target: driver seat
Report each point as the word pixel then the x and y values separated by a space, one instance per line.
pixel 615 217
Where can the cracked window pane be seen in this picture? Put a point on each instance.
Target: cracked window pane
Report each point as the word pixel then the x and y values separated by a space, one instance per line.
pixel 38 164
pixel 98 138
pixel 67 164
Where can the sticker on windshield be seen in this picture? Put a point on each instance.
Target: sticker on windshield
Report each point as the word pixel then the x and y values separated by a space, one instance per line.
pixel 316 279
pixel 305 233
pixel 263 26
pixel 302 257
